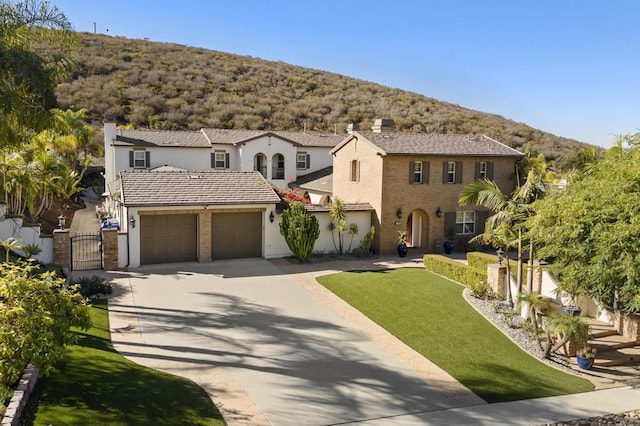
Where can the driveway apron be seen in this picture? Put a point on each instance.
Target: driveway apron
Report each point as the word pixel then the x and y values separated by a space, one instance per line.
pixel 243 327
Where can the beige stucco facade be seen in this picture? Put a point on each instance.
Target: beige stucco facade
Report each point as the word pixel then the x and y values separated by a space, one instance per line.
pixel 384 182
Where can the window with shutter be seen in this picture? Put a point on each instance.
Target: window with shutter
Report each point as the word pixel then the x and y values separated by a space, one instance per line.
pixel 139 159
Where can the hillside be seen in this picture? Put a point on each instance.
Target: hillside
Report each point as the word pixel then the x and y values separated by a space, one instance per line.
pixel 170 86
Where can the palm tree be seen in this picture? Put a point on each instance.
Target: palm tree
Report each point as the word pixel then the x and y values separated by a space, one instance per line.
pixel 338 221
pixel 510 212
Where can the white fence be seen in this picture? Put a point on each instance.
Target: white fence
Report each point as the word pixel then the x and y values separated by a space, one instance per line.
pixel 12 227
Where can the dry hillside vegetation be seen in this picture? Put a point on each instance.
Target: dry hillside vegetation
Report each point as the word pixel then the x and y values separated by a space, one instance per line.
pixel 170 86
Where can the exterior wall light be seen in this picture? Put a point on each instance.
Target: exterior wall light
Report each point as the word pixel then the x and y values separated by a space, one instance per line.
pixel 399 213
pixel 500 254
pixel 271 217
pixel 439 212
pixel 61 221
pixel 132 221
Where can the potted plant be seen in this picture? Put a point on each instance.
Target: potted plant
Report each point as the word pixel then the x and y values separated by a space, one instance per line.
pixel 586 356
pixel 401 241
pixel 448 245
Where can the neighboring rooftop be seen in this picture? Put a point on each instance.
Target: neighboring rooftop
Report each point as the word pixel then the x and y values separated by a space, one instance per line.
pixel 394 143
pixel 168 138
pixel 195 188
pixel 310 139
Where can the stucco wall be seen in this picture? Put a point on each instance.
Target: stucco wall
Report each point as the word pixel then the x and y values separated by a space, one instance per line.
pixel 269 145
pixel 13 227
pixel 186 158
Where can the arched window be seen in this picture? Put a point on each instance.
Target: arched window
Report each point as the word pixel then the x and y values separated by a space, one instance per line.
pixel 277 166
pixel 260 164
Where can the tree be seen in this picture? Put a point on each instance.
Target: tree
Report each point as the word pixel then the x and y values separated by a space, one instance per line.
pixel 300 230
pixel 592 229
pixel 35 319
pixel 338 222
pixel 508 212
pixel 27 77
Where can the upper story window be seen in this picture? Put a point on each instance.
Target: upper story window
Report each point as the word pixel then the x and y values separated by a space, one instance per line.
pixel 484 170
pixel 355 171
pixel 452 172
pixel 277 168
pixel 417 172
pixel 220 160
pixel 139 159
pixel 303 161
pixel 465 222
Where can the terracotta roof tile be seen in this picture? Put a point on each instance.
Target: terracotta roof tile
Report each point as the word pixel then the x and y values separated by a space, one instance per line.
pixel 195 188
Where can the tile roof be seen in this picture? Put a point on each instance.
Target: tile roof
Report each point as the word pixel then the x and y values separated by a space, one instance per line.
pixel 350 207
pixel 394 143
pixel 320 180
pixel 168 138
pixel 195 188
pixel 233 137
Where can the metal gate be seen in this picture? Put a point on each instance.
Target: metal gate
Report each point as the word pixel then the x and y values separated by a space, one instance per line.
pixel 86 252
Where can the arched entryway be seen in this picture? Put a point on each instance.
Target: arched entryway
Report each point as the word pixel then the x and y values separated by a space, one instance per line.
pixel 418 229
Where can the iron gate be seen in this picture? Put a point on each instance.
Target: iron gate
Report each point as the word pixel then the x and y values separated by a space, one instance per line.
pixel 86 252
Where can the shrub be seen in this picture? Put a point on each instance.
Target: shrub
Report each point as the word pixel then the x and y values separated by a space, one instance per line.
pixel 481 290
pixel 367 241
pixel 92 285
pixel 300 230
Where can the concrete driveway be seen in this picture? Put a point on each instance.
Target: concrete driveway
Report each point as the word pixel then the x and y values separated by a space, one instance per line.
pixel 270 347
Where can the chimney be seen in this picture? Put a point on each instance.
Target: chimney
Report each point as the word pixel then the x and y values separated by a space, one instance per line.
pixel 352 127
pixel 383 125
pixel 109 155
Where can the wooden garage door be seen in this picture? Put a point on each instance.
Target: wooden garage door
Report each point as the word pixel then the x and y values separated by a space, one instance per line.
pixel 236 235
pixel 168 238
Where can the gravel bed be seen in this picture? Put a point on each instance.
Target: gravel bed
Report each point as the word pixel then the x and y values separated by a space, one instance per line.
pixel 511 325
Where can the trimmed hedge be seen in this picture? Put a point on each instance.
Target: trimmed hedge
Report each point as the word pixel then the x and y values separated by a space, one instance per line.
pixel 455 270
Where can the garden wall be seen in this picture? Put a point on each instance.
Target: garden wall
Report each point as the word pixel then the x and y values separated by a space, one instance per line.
pixel 12 227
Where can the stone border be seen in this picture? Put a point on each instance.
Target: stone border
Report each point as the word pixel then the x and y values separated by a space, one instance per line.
pixel 20 396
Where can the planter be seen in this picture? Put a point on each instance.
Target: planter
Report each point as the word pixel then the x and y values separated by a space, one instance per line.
pixel 584 363
pixel 448 247
pixel 402 250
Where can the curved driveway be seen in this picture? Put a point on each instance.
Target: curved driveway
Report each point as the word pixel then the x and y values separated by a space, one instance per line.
pixel 272 347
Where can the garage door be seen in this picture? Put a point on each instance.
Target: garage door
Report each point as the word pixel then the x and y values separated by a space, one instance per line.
pixel 236 235
pixel 168 238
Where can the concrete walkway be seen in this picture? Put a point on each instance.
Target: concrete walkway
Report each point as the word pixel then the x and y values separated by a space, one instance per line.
pixel 271 346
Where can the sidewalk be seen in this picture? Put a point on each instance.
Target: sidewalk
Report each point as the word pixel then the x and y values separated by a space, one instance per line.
pixel 528 412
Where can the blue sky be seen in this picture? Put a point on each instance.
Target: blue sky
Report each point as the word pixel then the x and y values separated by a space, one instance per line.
pixel 567 67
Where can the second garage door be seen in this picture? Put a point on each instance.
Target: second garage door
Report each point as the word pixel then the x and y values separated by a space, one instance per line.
pixel 168 238
pixel 236 235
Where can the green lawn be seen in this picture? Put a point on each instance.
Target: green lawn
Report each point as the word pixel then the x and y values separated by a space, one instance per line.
pixel 429 314
pixel 94 385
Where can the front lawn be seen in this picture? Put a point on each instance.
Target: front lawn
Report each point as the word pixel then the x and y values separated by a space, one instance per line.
pixel 429 314
pixel 95 385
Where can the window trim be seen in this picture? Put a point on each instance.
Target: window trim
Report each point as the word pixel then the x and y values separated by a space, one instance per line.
pixel 483 174
pixel 451 172
pixel 217 160
pixel 136 160
pixel 418 176
pixel 305 163
pixel 464 221
pixel 355 171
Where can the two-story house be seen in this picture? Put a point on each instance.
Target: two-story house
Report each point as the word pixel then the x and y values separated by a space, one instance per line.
pixel 413 182
pixel 281 157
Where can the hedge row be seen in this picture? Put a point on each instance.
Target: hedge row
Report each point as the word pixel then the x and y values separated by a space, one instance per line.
pixel 457 271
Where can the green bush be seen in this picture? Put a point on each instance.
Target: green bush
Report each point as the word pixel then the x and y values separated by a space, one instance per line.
pixel 481 290
pixel 91 285
pixel 454 270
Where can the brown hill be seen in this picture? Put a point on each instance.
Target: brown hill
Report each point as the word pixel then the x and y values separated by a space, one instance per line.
pixel 170 86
